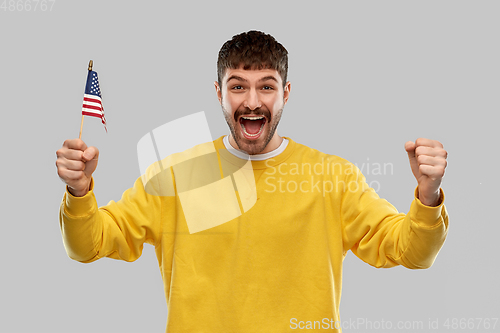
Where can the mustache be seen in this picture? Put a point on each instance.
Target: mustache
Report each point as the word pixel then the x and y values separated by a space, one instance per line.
pixel 257 112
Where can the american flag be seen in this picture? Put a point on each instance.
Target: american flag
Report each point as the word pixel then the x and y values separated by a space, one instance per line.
pixel 92 102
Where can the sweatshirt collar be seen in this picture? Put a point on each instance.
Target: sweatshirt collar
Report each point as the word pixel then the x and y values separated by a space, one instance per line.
pixel 272 160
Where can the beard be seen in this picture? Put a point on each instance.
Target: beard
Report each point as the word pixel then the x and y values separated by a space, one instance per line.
pixel 252 147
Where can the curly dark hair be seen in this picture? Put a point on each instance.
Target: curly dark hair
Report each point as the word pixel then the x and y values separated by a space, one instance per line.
pixel 253 50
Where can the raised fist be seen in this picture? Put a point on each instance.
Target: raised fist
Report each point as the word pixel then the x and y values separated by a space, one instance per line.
pixel 428 162
pixel 75 164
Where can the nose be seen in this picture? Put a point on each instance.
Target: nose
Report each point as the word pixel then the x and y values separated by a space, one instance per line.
pixel 252 101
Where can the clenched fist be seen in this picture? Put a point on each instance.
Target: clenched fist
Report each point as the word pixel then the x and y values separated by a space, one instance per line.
pixel 427 161
pixel 75 164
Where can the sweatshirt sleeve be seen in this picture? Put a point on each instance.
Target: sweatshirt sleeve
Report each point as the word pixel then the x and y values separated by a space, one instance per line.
pixel 117 230
pixel 381 236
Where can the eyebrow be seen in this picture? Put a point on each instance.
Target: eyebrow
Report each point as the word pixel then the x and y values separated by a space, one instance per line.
pixel 239 78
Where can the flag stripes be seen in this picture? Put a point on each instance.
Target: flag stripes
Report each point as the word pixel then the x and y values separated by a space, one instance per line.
pixel 92 102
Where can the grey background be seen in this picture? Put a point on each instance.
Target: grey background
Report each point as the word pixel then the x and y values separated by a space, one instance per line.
pixel 366 76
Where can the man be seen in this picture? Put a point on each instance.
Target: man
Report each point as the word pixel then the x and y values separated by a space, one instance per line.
pixel 278 266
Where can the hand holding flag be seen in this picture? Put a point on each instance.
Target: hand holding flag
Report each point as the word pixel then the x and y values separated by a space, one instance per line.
pixel 75 164
pixel 75 161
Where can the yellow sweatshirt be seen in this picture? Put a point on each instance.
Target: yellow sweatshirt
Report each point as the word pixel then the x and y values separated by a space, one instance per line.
pixel 277 267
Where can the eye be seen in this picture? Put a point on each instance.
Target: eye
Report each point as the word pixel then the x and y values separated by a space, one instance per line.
pixel 268 88
pixel 237 88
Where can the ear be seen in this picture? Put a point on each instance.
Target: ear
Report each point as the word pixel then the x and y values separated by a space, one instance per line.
pixel 218 91
pixel 286 92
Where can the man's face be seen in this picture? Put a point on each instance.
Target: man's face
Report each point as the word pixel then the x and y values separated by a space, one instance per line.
pixel 252 102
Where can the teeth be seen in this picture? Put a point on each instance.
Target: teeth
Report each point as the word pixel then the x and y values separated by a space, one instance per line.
pixel 253 118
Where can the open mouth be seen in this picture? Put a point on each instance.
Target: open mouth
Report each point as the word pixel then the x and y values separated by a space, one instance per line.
pixel 252 126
